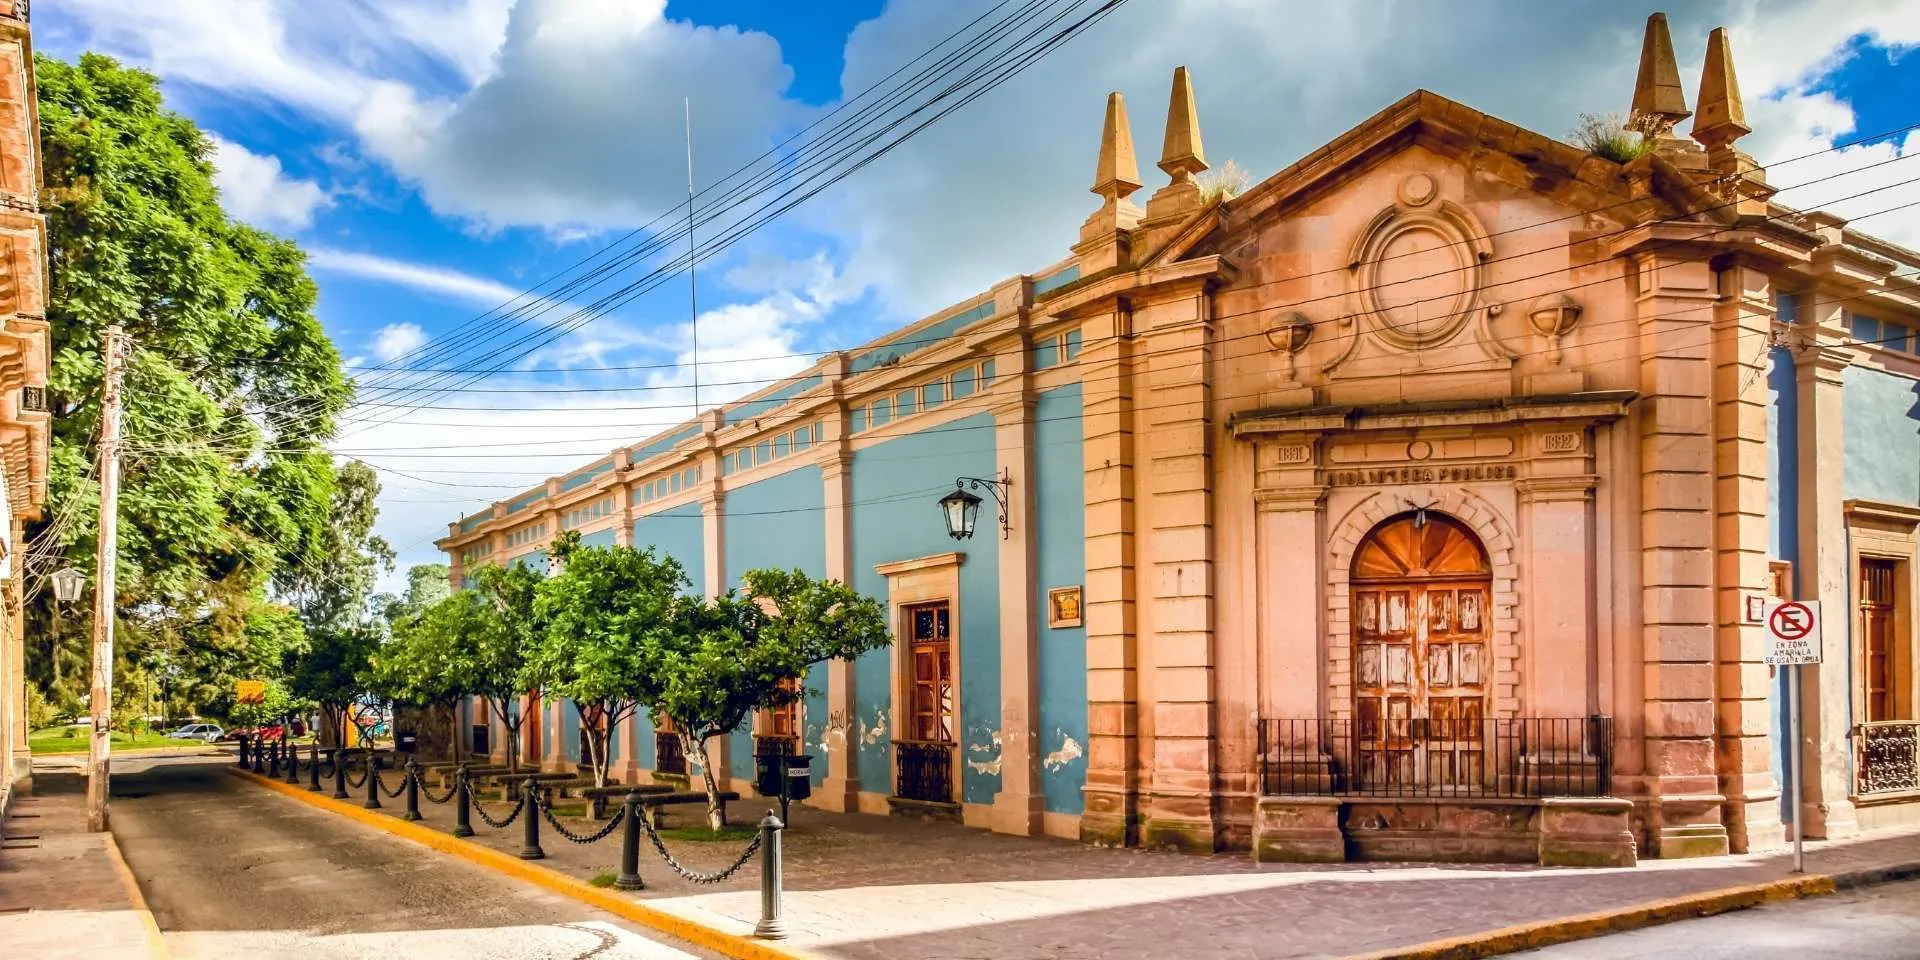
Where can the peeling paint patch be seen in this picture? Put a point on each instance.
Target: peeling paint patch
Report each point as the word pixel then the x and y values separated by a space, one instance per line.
pixel 1069 751
pixel 990 767
pixel 872 735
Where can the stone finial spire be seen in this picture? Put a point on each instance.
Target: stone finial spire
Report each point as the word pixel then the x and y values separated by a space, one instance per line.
pixel 1658 101
pixel 1722 118
pixel 1103 238
pixel 1182 156
pixel 1118 174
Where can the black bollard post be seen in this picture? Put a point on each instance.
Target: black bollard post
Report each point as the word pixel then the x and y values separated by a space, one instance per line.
pixel 771 926
pixel 339 773
pixel 373 781
pixel 462 817
pixel 273 761
pixel 629 878
pixel 413 791
pixel 293 764
pixel 313 768
pixel 243 750
pixel 530 814
pixel 259 748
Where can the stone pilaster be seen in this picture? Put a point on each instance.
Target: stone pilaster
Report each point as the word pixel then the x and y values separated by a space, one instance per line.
pixel 1018 807
pixel 840 790
pixel 1178 345
pixel 713 507
pixel 1112 814
pixel 1826 719
pixel 1676 564
pixel 1556 513
pixel 1742 328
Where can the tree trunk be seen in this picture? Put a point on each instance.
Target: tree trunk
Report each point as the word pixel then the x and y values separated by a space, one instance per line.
pixel 693 748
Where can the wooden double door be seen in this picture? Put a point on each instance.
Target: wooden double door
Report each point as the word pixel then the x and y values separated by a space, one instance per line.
pixel 1421 588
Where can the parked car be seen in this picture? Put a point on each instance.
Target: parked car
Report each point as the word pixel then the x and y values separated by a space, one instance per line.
pixel 204 732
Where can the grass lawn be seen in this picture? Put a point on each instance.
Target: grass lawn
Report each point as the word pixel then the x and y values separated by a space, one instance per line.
pixel 73 739
pixel 700 834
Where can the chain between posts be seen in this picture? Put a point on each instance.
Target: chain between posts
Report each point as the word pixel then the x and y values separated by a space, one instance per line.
pixel 546 810
pixel 474 803
pixel 395 794
pixel 452 788
pixel 690 876
pixel 353 784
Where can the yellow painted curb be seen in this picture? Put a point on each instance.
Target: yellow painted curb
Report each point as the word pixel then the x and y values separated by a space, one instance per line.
pixel 1546 933
pixel 156 943
pixel 620 905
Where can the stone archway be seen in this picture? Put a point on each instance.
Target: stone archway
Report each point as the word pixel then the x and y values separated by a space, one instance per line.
pixel 1475 514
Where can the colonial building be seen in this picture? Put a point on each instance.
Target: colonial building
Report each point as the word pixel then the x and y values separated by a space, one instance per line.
pixel 1420 501
pixel 23 368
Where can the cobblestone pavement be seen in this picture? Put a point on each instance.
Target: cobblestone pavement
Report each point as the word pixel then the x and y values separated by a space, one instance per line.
pixel 1876 923
pixel 232 870
pixel 60 894
pixel 862 886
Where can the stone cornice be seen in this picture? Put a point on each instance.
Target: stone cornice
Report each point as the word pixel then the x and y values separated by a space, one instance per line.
pixel 1591 407
pixel 1550 489
pixel 1896 516
pixel 1101 297
pixel 929 562
pixel 1288 499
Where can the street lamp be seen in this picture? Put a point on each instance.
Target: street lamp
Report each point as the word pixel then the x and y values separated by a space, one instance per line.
pixel 67 584
pixel 962 509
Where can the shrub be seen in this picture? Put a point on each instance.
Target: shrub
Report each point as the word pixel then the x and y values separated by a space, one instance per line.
pixel 1222 183
pixel 1606 135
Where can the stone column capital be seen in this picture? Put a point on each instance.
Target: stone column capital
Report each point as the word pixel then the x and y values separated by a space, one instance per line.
pixel 1289 499
pixel 1551 489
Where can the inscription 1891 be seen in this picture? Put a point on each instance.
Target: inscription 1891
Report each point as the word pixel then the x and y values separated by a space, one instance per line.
pixel 1421 474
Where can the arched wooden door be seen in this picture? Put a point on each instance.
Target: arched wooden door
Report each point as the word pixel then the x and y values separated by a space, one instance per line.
pixel 1420 585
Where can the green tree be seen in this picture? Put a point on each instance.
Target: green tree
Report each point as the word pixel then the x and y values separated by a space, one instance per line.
pixel 333 673
pixel 509 627
pixel 722 659
pixel 430 659
pixel 605 617
pixel 231 393
pixel 427 584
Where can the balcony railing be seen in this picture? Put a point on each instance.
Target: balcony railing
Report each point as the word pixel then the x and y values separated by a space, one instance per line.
pixel 923 770
pixel 668 757
pixel 1887 758
pixel 775 745
pixel 1516 758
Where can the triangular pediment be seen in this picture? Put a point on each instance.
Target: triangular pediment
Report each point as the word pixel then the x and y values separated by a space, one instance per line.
pixel 1648 189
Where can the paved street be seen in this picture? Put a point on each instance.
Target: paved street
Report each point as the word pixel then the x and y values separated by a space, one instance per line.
pixel 1877 923
pixel 231 870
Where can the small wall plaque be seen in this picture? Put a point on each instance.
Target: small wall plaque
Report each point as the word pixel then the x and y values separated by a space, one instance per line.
pixel 1063 607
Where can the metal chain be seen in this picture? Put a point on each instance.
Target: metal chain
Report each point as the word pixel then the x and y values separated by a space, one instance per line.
pixel 474 802
pixel 693 877
pixel 357 784
pixel 397 791
pixel 546 810
pixel 452 788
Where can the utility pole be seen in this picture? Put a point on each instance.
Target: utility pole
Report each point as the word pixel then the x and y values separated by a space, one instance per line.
pixel 114 350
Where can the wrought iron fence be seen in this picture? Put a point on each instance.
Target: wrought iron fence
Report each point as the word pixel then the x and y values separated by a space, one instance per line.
pixel 1887 758
pixel 1518 757
pixel 668 757
pixel 924 770
pixel 775 745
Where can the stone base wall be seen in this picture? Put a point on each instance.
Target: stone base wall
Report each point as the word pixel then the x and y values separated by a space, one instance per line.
pixel 1554 832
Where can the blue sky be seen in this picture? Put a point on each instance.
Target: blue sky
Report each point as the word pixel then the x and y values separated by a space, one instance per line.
pixel 438 157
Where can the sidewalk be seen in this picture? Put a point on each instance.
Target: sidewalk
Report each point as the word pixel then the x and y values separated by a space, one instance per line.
pixel 873 887
pixel 65 892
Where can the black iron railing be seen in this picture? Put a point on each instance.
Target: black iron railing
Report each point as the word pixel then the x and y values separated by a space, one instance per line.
pixel 668 757
pixel 1517 757
pixel 775 745
pixel 923 770
pixel 1887 758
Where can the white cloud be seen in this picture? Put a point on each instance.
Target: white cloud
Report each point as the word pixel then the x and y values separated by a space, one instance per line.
pixel 254 189
pixel 396 340
pixel 579 123
pixel 431 279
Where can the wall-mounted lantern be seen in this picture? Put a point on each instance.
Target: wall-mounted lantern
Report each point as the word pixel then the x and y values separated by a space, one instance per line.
pixel 962 509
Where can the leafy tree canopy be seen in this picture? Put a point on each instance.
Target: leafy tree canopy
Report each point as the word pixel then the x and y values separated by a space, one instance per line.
pixel 231 392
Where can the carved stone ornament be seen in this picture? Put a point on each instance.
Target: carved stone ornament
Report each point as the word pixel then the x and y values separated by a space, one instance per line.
pixel 1289 333
pixel 1415 274
pixel 1554 316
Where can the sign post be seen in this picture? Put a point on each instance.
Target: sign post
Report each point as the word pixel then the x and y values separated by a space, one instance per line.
pixel 1793 639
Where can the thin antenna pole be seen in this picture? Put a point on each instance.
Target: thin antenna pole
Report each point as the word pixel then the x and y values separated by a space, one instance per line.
pixel 693 287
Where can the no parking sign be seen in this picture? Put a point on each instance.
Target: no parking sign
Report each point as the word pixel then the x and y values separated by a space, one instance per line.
pixel 1793 632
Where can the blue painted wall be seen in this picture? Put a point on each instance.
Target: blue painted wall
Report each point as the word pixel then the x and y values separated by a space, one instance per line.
pixel 1060 494
pixel 570 730
pixel 1882 424
pixel 895 487
pixel 643 749
pixel 599 538
pixel 777 522
pixel 1783 524
pixel 679 533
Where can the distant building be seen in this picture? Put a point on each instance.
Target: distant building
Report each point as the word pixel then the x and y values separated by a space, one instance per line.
pixel 1406 505
pixel 23 369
